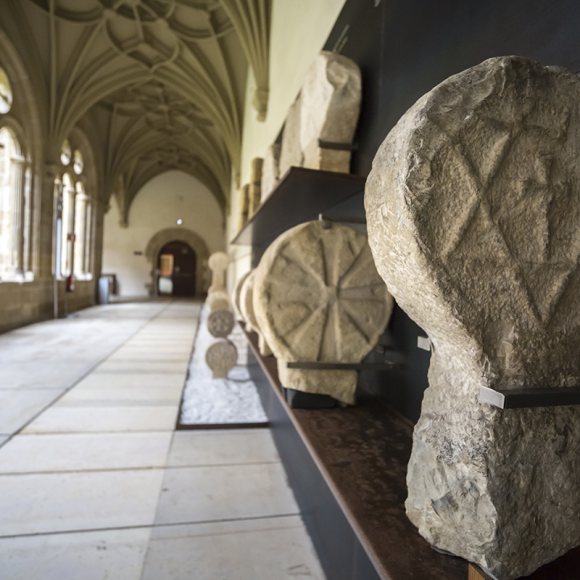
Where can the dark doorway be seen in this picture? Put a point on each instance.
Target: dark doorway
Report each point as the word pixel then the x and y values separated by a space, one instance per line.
pixel 176 263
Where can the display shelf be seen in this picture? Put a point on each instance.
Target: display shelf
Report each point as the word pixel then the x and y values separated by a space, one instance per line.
pixel 301 195
pixel 362 454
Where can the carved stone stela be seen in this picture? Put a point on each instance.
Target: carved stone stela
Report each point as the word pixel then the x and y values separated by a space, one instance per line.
pixel 220 323
pixel 218 264
pixel 318 297
pixel 473 208
pixel 330 107
pixel 221 357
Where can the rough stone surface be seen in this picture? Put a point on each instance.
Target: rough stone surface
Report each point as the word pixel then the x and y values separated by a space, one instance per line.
pixel 248 312
pixel 221 357
pixel 291 151
pixel 220 323
pixel 216 298
pixel 246 302
pixel 473 213
pixel 330 107
pixel 244 205
pixel 218 264
pixel 218 304
pixel 318 297
pixel 271 170
pixel 238 294
pixel 255 190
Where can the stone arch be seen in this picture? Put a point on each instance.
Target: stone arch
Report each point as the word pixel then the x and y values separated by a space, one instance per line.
pixel 195 241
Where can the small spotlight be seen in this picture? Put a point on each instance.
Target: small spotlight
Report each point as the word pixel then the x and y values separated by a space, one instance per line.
pixel 179 221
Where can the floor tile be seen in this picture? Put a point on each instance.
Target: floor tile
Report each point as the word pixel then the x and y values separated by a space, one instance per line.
pixel 20 406
pixel 269 549
pixel 131 380
pixel 215 447
pixel 77 501
pixel 212 493
pixel 111 555
pixel 111 366
pixel 90 419
pixel 123 395
pixel 80 452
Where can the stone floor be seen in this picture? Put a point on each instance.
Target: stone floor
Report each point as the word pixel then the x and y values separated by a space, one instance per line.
pixel 95 483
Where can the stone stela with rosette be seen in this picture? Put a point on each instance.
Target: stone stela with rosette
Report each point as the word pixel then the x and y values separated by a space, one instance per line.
pixel 473 209
pixel 318 298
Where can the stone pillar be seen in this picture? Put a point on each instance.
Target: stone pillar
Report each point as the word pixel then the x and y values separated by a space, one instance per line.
pixel 218 264
pixel 290 151
pixel 244 205
pixel 317 297
pixel 473 208
pixel 255 189
pixel 270 170
pixel 80 233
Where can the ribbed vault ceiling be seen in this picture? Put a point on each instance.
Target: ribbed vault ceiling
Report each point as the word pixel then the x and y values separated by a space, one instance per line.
pixel 165 78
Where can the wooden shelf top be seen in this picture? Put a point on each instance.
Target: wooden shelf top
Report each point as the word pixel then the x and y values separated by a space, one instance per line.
pixel 300 196
pixel 362 453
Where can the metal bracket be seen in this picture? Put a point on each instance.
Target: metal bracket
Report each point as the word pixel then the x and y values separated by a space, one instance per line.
pixel 335 366
pixel 530 397
pixel 337 146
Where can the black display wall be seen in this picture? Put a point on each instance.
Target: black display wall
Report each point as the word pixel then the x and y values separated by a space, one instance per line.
pixel 406 47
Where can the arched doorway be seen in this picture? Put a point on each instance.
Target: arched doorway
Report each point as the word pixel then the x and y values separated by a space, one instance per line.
pixel 177 263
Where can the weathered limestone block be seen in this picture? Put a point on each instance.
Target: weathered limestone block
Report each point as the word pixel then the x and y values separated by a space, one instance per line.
pixel 221 357
pixel 291 151
pixel 473 209
pixel 255 189
pixel 238 294
pixel 216 299
pixel 318 297
pixel 244 205
pixel 248 313
pixel 218 264
pixel 330 108
pixel 270 170
pixel 220 323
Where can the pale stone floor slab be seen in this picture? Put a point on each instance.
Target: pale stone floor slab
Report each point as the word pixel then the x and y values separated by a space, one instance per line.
pixel 100 486
pixel 17 407
pixel 83 452
pixel 263 549
pixel 227 447
pixel 64 419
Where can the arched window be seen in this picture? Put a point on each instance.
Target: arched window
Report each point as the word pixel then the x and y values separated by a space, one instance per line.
pixel 15 184
pixel 76 237
pixel 5 93
pixel 15 194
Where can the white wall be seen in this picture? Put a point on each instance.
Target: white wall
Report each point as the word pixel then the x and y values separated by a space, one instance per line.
pixel 157 206
pixel 299 31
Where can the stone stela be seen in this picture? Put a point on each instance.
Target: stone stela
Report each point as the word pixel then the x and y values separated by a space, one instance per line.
pixel 472 208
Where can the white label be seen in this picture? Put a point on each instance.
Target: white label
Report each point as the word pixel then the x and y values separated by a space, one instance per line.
pixel 424 343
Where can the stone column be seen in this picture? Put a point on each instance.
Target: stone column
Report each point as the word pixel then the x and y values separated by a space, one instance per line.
pixel 270 170
pixel 473 208
pixel 255 189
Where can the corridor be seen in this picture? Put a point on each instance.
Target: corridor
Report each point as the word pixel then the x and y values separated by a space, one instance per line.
pixel 95 483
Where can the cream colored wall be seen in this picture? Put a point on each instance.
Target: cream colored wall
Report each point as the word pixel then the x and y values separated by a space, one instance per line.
pixel 157 206
pixel 299 30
